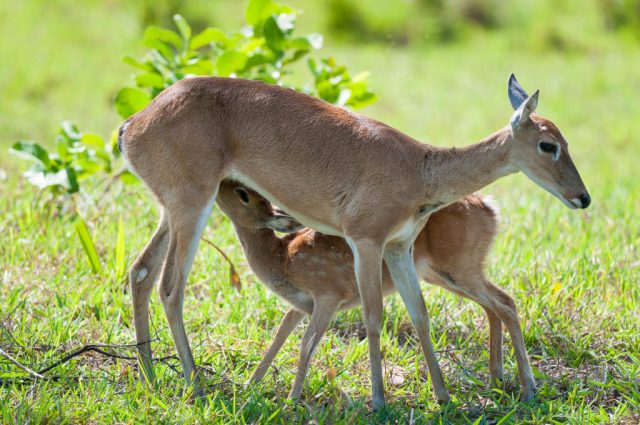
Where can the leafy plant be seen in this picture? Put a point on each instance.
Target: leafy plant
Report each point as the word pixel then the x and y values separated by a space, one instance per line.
pixel 77 156
pixel 263 50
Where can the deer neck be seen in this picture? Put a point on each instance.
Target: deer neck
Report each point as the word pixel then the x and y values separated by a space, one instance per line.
pixel 452 173
pixel 265 252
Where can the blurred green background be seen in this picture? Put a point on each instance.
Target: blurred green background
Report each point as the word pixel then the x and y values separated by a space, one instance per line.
pixel 440 68
pixel 61 59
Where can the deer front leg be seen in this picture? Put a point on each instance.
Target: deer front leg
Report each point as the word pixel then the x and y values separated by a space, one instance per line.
pixel 289 322
pixel 323 311
pixel 399 260
pixel 367 254
pixel 142 278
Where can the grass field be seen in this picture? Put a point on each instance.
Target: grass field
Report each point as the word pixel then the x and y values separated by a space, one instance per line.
pixel 574 274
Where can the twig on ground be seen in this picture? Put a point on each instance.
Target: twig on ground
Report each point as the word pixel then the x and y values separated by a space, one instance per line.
pixel 98 348
pixel 20 365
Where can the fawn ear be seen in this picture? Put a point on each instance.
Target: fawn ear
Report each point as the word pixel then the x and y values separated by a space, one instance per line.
pixel 282 222
pixel 522 114
pixel 517 95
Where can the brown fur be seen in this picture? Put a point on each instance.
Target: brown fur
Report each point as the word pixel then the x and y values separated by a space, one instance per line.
pixel 331 169
pixel 314 272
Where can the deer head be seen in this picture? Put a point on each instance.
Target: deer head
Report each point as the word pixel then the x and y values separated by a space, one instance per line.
pixel 248 209
pixel 541 152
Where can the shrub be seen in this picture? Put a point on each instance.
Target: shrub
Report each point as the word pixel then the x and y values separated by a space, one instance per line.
pixel 264 50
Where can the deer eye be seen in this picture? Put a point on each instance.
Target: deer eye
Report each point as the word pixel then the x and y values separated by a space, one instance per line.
pixel 244 196
pixel 547 147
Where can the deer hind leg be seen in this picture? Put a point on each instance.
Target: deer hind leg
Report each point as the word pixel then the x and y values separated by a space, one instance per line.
pixel 496 362
pixel 289 322
pixel 467 287
pixel 142 278
pixel 403 273
pixel 500 308
pixel 186 222
pixel 367 256
pixel 505 309
pixel 323 311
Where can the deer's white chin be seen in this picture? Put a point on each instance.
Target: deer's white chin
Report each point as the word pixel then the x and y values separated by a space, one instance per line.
pixel 573 203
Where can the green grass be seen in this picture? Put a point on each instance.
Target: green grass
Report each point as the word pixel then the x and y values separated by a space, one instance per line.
pixel 574 274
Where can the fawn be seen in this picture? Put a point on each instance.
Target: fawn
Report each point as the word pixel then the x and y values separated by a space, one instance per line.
pixel 314 273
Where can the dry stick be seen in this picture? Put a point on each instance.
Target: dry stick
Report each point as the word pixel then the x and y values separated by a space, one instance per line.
pixel 234 277
pixel 20 365
pixel 98 349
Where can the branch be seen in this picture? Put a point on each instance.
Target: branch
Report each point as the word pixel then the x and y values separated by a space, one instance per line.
pixel 20 365
pixel 98 349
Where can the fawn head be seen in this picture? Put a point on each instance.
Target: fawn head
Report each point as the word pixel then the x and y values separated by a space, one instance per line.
pixel 248 209
pixel 541 152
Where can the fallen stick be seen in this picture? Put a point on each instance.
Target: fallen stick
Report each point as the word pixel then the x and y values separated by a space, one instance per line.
pixel 20 365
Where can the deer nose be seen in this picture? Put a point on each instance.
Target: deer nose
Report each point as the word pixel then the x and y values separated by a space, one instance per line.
pixel 585 199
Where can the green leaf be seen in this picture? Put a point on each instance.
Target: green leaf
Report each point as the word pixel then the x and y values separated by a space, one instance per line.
pixel 162 34
pixel 130 100
pixel 72 180
pixel 506 417
pixel 93 141
pixel 62 147
pixel 150 79
pixel 296 56
pixel 162 50
pixel 130 60
pixel 209 35
pixel 273 34
pixel 478 421
pixel 88 165
pixel 31 151
pixel 87 245
pixel 230 61
pixel 200 67
pixel 256 60
pixel 312 41
pixel 366 99
pixel 257 11
pixel 120 250
pixel 183 27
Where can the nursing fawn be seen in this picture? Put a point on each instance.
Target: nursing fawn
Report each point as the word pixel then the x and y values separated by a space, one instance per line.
pixel 314 272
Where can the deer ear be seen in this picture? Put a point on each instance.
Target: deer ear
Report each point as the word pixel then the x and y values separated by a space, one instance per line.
pixel 517 95
pixel 522 114
pixel 282 222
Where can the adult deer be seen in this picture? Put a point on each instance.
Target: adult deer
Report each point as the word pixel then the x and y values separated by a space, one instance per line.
pixel 314 272
pixel 333 170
